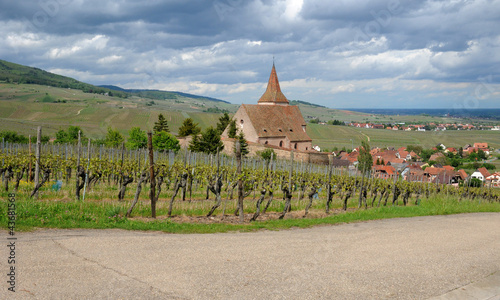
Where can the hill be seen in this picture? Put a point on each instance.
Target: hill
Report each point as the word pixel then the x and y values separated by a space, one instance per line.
pixel 160 95
pixel 15 73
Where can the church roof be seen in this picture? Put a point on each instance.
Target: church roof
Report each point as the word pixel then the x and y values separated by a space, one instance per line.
pixel 273 92
pixel 277 121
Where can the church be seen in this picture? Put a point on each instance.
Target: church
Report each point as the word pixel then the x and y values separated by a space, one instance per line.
pixel 273 121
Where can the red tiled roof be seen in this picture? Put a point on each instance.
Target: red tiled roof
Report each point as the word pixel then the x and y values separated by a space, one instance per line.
pixel 462 174
pixel 433 171
pixel 481 146
pixel 484 171
pixel 273 92
pixel 268 120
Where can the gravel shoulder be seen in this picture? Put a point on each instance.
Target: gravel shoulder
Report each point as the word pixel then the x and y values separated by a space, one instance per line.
pixel 412 258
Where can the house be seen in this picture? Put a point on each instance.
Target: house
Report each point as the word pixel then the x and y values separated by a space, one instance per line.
pixel 272 121
pixel 436 156
pixel 451 150
pixel 446 177
pixel 481 174
pixel 462 174
pixel 493 180
pixel 383 171
pixel 482 146
pixel 449 168
pixel 340 163
pixel 440 146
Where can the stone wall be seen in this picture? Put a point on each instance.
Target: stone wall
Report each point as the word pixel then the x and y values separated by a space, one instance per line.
pixel 253 148
pixel 305 156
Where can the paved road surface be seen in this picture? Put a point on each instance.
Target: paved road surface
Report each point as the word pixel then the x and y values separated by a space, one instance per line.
pixel 414 258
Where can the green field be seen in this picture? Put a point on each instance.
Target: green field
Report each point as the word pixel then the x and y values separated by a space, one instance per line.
pixel 329 136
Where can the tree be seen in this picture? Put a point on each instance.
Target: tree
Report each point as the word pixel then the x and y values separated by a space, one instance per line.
pixel 73 133
pixel 61 137
pixel 415 148
pixel 224 120
pixel 137 139
pixel 243 145
pixel 161 125
pixel 69 136
pixel 475 182
pixel 232 129
pixel 266 154
pixel 365 163
pixel 113 138
pixel 189 127
pixel 365 159
pixel 209 142
pixel 481 154
pixel 164 141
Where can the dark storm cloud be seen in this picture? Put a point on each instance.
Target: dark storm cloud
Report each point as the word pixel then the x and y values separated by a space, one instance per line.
pixel 225 47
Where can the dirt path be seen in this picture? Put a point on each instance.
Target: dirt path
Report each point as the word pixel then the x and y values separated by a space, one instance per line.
pixel 80 111
pixel 413 258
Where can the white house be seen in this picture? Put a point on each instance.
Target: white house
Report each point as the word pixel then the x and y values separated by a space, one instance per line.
pixel 481 174
pixel 493 180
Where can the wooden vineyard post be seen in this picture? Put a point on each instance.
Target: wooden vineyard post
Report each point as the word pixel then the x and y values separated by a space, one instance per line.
pixel 38 150
pixel 86 173
pixel 152 175
pixel 29 164
pixel 78 153
pixel 240 181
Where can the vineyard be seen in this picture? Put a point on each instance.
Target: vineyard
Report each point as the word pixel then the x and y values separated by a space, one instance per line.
pixel 204 186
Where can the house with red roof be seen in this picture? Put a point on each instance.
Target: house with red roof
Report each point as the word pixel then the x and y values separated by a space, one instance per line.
pixel 481 174
pixel 493 180
pixel 462 174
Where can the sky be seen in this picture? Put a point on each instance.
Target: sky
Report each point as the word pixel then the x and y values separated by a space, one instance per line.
pixel 340 54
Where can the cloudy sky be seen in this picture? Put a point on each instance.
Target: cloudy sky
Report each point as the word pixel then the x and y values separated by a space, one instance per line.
pixel 341 54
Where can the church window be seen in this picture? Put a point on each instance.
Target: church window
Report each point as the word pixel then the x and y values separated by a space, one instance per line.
pixel 295 146
pixel 281 143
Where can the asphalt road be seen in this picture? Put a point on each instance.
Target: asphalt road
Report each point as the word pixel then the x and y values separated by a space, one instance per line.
pixel 415 258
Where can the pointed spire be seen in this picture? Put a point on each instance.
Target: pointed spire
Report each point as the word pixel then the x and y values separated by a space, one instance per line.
pixel 273 94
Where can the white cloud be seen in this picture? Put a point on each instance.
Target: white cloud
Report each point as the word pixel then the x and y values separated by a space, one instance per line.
pixel 97 42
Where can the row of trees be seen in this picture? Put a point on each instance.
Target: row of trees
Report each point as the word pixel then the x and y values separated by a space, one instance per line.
pixel 206 141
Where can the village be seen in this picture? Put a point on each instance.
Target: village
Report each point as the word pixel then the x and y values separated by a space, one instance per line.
pixel 389 162
pixel 423 127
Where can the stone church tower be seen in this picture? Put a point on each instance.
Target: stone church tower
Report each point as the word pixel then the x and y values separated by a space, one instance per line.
pixel 273 121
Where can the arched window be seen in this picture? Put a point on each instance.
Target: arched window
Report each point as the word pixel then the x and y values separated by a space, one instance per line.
pixel 281 143
pixel 265 143
pixel 241 123
pixel 295 146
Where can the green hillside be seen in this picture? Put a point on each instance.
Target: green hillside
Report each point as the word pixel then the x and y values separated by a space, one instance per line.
pixel 22 109
pixel 15 73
